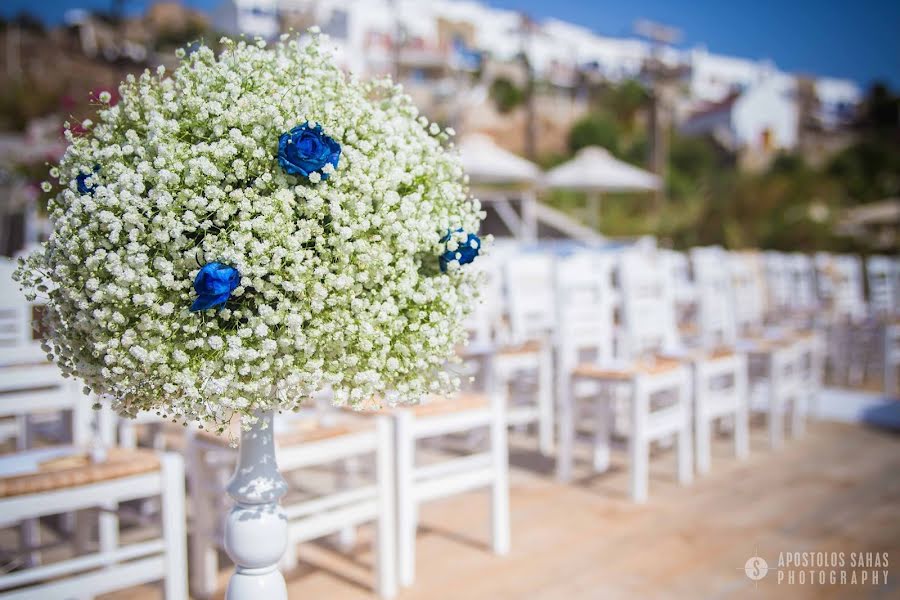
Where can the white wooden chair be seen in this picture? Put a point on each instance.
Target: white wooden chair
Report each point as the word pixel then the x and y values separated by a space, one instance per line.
pixel 882 280
pixel 851 337
pixel 417 483
pixel 19 333
pixel 774 354
pixel 25 393
pixel 50 480
pixel 883 274
pixel 778 285
pixel 803 303
pixel 587 330
pixel 28 391
pixel 301 445
pixel 677 267
pixel 719 369
pixel 523 360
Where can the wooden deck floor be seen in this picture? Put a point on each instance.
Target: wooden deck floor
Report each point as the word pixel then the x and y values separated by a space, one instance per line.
pixel 836 489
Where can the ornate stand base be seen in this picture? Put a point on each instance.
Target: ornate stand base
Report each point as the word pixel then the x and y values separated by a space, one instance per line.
pixel 256 534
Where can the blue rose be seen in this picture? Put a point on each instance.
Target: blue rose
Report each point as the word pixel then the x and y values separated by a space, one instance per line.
pixel 214 284
pixel 465 251
pixel 81 182
pixel 305 150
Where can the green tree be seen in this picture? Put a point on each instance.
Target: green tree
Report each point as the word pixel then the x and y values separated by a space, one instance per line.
pixel 594 129
pixel 506 95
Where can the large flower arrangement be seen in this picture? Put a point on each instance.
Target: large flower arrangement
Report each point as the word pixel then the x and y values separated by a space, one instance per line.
pixel 251 228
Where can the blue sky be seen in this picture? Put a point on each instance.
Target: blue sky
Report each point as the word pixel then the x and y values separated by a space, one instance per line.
pixel 859 40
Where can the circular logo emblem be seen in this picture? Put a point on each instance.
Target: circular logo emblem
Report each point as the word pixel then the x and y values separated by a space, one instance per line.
pixel 756 568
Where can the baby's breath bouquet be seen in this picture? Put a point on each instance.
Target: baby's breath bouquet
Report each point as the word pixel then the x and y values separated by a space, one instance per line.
pixel 251 228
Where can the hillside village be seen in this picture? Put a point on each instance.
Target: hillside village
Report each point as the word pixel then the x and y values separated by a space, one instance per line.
pixel 534 87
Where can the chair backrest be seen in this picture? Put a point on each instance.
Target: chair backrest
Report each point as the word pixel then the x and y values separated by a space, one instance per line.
pixel 585 308
pixel 824 283
pixel 648 308
pixel 848 301
pixel 530 296
pixel 15 310
pixel 747 291
pixel 32 389
pixel 802 283
pixel 778 282
pixel 883 293
pixel 485 319
pixel 678 267
pixel 715 296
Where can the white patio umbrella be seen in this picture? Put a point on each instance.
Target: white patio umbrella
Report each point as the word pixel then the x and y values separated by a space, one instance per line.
pixel 487 163
pixel 594 170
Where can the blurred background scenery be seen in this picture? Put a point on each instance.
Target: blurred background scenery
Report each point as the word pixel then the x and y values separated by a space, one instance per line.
pixel 769 125
pixel 696 208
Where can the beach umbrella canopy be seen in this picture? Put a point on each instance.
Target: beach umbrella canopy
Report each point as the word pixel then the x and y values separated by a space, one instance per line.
pixel 594 169
pixel 488 163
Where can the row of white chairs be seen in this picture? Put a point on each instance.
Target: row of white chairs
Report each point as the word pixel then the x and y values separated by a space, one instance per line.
pixel 388 442
pixel 609 319
pixel 654 344
pixel 97 513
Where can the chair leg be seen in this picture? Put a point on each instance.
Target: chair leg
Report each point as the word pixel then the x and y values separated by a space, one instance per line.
pixel 685 443
pixel 566 450
pixel 108 523
pixel 386 540
pixel 500 529
pixel 545 403
pixel 204 554
pixel 406 503
pixel 742 414
pixel 639 444
pixel 347 477
pixel 776 403
pixel 174 527
pixel 30 538
pixel 891 335
pixel 602 432
pixel 702 423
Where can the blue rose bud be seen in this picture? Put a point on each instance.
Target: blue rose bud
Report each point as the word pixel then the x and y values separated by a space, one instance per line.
pixel 465 251
pixel 81 182
pixel 305 150
pixel 214 284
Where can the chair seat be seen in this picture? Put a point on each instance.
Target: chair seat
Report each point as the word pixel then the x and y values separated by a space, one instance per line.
pixel 431 406
pixel 529 347
pixel 300 432
pixel 701 354
pixel 440 406
pixel 626 372
pixel 77 469
pixel 771 344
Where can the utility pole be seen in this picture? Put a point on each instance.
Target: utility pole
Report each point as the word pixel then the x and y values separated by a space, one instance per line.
pixel 663 81
pixel 398 41
pixel 530 123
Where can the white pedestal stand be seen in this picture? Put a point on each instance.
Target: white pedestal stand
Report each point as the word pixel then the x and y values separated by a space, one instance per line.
pixel 256 533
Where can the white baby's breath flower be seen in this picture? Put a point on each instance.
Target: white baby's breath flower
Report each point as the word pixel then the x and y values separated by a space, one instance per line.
pixel 340 279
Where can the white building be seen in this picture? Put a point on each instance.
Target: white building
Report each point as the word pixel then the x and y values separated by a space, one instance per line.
pixel 363 32
pixel 838 99
pixel 761 118
pixel 249 17
pixel 713 77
